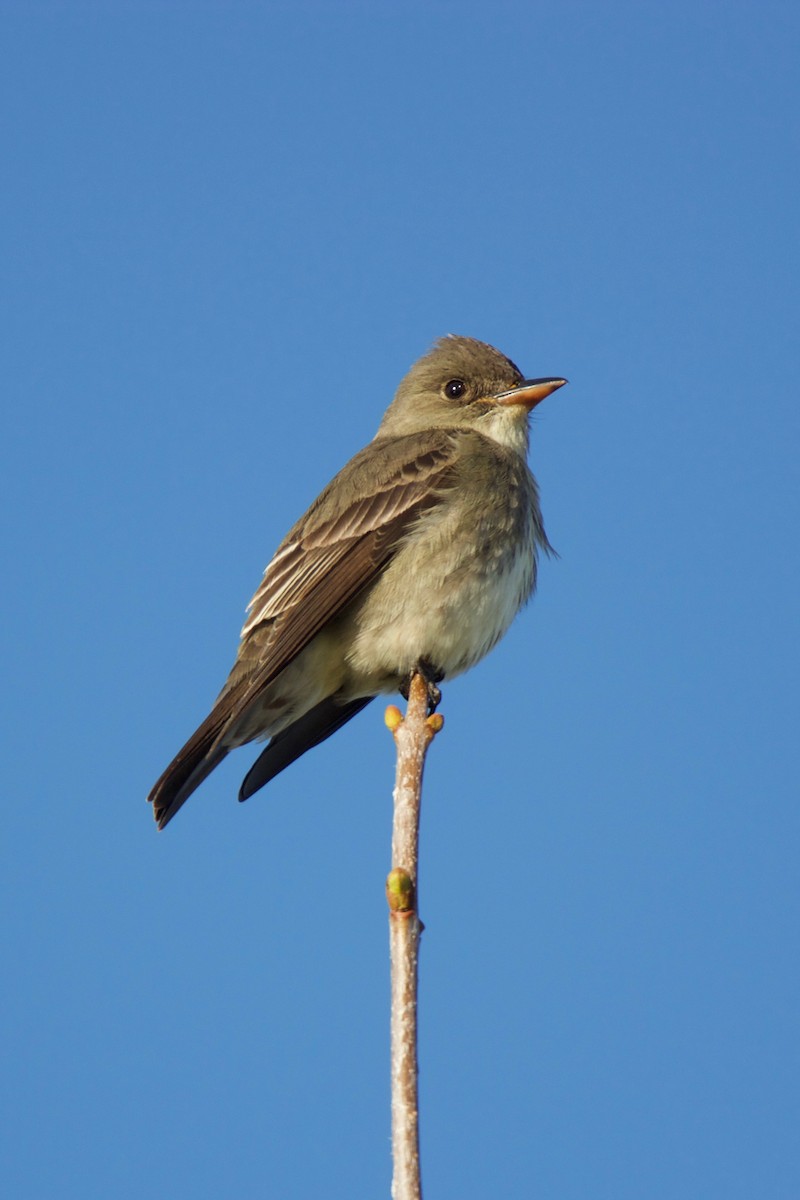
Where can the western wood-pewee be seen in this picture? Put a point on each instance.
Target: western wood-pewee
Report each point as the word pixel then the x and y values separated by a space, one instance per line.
pixel 417 555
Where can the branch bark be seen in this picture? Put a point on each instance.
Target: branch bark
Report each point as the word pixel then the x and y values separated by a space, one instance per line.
pixel 413 735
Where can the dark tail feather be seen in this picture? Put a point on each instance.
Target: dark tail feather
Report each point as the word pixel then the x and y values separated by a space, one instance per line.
pixel 190 766
pixel 317 725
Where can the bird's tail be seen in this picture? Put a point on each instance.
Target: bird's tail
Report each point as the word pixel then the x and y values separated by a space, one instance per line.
pixel 190 766
pixel 309 730
pixel 207 747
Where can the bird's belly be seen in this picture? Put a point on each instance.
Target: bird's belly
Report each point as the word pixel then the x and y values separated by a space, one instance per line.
pixel 434 604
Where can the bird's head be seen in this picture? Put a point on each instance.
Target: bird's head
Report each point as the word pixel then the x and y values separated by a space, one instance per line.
pixel 467 384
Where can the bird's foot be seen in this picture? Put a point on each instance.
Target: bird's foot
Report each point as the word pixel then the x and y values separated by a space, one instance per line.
pixel 431 676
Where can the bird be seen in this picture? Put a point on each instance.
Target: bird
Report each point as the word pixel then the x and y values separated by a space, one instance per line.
pixel 417 556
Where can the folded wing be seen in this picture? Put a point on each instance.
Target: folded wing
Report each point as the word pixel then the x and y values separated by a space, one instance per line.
pixel 334 551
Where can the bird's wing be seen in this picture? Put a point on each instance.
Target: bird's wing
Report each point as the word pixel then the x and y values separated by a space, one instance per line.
pixel 344 540
pixel 338 548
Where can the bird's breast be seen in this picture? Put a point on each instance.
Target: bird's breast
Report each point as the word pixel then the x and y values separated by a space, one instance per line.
pixel 453 587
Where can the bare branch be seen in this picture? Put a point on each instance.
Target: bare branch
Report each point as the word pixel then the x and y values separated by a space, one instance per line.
pixel 412 734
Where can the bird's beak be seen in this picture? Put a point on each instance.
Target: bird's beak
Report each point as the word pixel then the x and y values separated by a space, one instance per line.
pixel 529 393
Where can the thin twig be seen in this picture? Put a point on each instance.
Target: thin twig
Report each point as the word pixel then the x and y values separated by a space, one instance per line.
pixel 412 734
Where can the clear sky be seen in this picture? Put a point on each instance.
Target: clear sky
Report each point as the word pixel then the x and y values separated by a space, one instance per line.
pixel 227 230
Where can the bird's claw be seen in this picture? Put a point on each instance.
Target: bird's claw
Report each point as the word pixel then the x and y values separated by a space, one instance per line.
pixel 431 676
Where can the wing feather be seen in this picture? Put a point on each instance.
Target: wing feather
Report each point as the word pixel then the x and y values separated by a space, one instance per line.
pixel 320 541
pixel 337 549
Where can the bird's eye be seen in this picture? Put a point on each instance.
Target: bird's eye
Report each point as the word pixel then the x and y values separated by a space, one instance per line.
pixel 455 388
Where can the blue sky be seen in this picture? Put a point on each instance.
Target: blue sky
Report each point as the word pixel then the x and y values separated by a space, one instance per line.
pixel 226 233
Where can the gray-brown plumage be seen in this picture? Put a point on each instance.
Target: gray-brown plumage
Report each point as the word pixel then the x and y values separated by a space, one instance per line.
pixel 422 549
